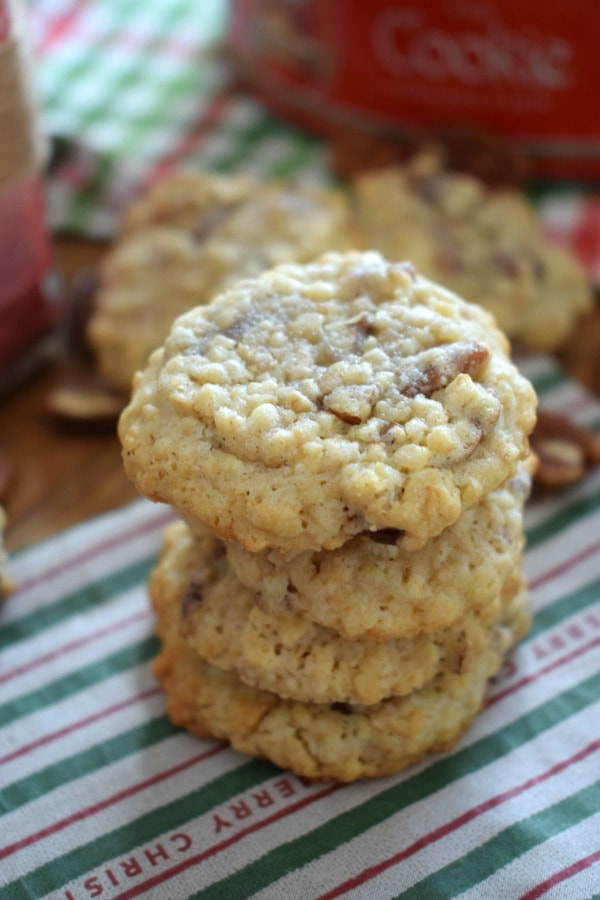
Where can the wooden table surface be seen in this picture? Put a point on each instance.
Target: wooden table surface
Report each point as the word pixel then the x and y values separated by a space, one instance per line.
pixel 63 475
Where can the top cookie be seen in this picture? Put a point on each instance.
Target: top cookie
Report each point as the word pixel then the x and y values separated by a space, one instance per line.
pixel 187 240
pixel 484 244
pixel 318 401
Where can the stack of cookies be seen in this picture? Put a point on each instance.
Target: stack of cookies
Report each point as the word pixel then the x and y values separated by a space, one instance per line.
pixel 346 444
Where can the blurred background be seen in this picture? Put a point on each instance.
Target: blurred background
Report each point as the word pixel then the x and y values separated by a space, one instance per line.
pixel 100 99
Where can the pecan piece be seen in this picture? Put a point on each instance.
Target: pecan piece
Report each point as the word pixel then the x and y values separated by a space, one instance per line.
pixel 564 450
pixel 351 403
pixel 437 368
pixel 94 407
pixel 363 328
pixel 192 598
pixel 6 475
pixel 561 462
pixel 555 426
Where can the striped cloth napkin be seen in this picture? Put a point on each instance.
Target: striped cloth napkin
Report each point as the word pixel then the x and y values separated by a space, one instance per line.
pixel 102 797
pixel 135 89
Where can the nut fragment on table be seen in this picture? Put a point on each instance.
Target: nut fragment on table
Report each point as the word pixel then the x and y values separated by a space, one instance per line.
pixel 565 451
pixel 6 582
pixel 85 405
pixel 6 474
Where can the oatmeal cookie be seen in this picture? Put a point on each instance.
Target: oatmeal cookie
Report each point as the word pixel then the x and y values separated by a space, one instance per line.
pixel 484 244
pixel 316 402
pixel 191 201
pixel 189 239
pixel 327 741
pixel 291 656
pixel 373 587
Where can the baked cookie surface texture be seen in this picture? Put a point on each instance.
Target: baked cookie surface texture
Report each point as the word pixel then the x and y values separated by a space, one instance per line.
pixel 329 740
pixel 292 656
pixel 319 401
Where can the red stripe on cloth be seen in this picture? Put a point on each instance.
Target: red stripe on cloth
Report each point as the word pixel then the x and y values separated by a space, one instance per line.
pixel 468 816
pixel 167 874
pixel 170 873
pixel 74 645
pixel 561 661
pixel 153 41
pixel 565 566
pixel 563 875
pixel 191 141
pixel 61 26
pixel 88 811
pixel 80 723
pixel 103 547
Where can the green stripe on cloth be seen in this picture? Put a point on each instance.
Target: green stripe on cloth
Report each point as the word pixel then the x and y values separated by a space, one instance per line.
pixel 348 825
pixel 547 382
pixel 300 153
pixel 74 682
pixel 85 763
pixel 73 604
pixel 571 512
pixel 140 651
pixel 327 837
pixel 126 838
pixel 147 734
pixel 561 609
pixel 89 62
pixel 85 201
pixel 473 868
pixel 162 99
pixel 245 141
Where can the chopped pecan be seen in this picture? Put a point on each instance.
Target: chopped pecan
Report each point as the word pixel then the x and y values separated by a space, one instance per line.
pixel 351 403
pixel 192 598
pixel 561 463
pixel 437 368
pixel 94 407
pixel 363 328
pixel 6 474
pixel 555 426
pixel 564 450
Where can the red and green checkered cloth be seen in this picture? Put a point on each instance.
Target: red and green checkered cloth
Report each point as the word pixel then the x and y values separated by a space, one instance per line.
pixel 142 87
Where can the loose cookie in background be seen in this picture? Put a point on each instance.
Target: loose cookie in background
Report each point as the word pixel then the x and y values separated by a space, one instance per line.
pixel 485 244
pixel 329 741
pixel 187 240
pixel 319 401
